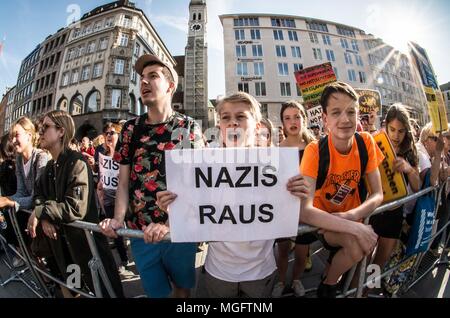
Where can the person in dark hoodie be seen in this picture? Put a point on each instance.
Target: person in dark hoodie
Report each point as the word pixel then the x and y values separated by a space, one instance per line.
pixel 65 193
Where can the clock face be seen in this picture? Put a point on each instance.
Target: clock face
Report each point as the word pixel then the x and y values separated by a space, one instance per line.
pixel 196 27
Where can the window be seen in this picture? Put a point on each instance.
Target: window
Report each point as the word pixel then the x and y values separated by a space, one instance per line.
pixel 358 60
pixel 75 75
pixel 98 70
pixel 298 67
pixel 330 55
pixel 127 22
pixel 313 38
pixel 259 68
pixel 260 89
pixel 119 66
pixel 133 75
pixel 116 98
pixel 97 26
pixel 103 43
pixel 137 50
pixel 243 87
pixel 109 22
pixel 293 35
pixel 255 34
pixel 257 50
pixel 241 69
pixel 91 47
pixel 317 54
pixel 344 43
pixel 239 34
pixel 124 40
pixel 345 31
pixel 278 35
pixel 351 75
pixel 355 45
pixel 317 26
pixel 85 73
pixel 285 89
pixel 362 77
pixel 296 51
pixel 348 58
pixel 326 39
pixel 241 50
pixel 288 23
pixel 246 22
pixel 281 50
pixel 283 69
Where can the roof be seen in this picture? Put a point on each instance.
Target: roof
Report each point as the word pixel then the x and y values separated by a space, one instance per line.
pixel 445 87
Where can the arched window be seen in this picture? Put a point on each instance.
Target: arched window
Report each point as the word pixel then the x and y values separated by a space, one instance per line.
pixel 195 16
pixel 93 102
pixel 62 104
pixel 199 16
pixel 76 104
pixel 133 109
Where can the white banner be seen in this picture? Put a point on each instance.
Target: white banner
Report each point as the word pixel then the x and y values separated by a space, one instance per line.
pixel 314 116
pixel 108 172
pixel 232 194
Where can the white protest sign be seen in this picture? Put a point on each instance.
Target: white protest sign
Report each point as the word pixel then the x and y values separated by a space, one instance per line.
pixel 314 116
pixel 108 171
pixel 232 194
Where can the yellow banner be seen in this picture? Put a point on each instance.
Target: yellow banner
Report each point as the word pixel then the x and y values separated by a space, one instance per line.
pixel 436 108
pixel 393 183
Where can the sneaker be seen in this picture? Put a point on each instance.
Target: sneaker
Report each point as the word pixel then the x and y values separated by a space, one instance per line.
pixel 17 262
pixel 278 290
pixel 326 291
pixel 297 286
pixel 123 272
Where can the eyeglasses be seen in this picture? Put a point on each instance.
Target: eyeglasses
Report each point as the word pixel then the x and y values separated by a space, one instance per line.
pixel 44 128
pixel 110 133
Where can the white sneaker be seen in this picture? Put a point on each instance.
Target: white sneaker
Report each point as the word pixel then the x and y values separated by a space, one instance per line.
pixel 297 286
pixel 125 273
pixel 17 262
pixel 277 290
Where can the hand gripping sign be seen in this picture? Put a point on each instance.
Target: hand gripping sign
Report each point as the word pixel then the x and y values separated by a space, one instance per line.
pixel 393 183
pixel 232 194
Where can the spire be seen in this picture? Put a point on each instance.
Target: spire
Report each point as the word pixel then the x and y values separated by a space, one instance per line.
pixel 197 2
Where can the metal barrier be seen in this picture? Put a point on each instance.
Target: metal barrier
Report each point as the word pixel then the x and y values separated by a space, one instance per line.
pixel 98 270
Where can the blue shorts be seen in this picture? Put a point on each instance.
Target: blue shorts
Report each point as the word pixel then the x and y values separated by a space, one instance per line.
pixel 162 263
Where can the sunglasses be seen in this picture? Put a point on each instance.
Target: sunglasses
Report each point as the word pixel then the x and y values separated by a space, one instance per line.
pixel 110 133
pixel 44 128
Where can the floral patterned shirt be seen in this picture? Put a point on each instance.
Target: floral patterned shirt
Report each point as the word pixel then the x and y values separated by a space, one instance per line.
pixel 142 146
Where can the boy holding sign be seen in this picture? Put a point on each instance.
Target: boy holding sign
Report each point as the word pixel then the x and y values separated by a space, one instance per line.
pixel 338 194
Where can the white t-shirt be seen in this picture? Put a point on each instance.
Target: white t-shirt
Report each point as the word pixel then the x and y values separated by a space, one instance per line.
pixel 240 261
pixel 424 158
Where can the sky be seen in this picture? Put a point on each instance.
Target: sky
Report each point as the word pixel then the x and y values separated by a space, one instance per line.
pixel 26 23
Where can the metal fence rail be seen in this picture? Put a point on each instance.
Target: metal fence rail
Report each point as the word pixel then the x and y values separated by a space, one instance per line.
pixel 98 271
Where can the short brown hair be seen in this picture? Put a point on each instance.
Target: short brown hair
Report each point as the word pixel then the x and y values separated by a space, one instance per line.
pixel 62 119
pixel 337 87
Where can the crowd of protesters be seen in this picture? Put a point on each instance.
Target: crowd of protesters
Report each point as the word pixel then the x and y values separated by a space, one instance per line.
pixel 45 170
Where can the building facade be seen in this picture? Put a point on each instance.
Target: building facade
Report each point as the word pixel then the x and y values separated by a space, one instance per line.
pixel 6 117
pixel 263 51
pixel 445 89
pixel 97 82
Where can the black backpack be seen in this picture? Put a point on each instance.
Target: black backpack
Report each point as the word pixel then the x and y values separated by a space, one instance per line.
pixel 324 164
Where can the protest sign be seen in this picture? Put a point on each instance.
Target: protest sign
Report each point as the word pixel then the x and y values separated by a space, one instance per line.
pixel 219 199
pixel 108 171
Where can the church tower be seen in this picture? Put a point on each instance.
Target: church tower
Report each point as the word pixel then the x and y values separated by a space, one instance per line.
pixel 196 64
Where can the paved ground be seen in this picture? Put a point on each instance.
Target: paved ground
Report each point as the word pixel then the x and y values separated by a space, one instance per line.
pixel 434 285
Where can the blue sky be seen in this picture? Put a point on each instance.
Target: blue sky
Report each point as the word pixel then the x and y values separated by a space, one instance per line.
pixel 25 23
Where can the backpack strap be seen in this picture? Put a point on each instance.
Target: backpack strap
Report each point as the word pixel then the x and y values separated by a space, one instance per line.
pixel 324 162
pixel 363 159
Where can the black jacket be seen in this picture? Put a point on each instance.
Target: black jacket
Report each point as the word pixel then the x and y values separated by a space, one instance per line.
pixel 63 194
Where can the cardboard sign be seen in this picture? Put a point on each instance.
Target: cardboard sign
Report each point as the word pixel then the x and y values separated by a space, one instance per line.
pixel 232 194
pixel 393 183
pixel 314 116
pixel 436 108
pixel 369 101
pixel 312 81
pixel 108 172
